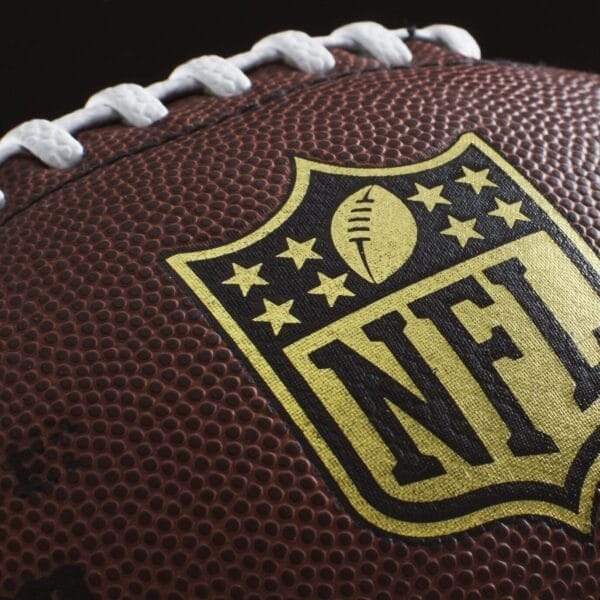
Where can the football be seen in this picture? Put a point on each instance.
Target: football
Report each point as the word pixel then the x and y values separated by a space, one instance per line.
pixel 373 232
pixel 318 320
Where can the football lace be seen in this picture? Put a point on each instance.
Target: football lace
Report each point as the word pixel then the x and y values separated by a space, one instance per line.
pixel 54 144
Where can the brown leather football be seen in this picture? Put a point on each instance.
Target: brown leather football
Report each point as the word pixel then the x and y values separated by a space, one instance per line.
pixel 321 320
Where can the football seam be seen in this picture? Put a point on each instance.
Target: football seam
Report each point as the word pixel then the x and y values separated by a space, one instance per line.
pixel 258 103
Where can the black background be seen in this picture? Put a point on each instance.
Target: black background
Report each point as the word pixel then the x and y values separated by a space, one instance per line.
pixel 55 54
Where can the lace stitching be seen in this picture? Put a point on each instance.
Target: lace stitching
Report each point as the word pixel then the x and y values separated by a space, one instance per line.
pixel 54 144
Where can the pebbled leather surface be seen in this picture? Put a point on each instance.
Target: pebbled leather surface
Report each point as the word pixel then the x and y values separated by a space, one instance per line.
pixel 134 449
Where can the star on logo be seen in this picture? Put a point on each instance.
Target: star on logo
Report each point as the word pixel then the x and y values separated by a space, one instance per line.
pixel 430 197
pixel 511 213
pixel 246 277
pixel 332 288
pixel 300 252
pixel 277 315
pixel 463 231
pixel 476 179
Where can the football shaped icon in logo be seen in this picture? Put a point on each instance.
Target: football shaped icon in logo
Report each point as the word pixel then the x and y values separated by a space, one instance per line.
pixel 374 232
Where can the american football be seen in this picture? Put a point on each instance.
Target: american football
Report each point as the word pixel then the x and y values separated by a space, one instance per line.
pixel 317 320
pixel 373 232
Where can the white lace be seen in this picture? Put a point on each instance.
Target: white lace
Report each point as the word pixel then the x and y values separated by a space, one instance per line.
pixel 53 143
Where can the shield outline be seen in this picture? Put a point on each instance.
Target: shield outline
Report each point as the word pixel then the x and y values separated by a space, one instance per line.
pixel 581 520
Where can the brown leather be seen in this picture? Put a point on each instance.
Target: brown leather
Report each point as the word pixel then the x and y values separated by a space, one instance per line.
pixel 166 473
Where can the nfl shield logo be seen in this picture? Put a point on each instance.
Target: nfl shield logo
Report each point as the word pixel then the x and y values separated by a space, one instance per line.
pixel 432 332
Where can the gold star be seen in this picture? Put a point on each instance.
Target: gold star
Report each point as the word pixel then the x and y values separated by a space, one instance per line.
pixel 463 231
pixel 332 288
pixel 300 252
pixel 277 315
pixel 245 277
pixel 511 213
pixel 476 179
pixel 430 197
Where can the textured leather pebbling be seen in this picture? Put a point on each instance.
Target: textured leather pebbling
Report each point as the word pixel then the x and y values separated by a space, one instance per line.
pixel 166 473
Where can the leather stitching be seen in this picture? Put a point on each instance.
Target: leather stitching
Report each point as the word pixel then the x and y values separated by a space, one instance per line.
pixel 258 103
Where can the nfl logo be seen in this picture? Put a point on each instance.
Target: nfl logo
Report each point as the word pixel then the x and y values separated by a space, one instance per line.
pixel 407 321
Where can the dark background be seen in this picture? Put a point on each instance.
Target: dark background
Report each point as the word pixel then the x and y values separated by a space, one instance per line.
pixel 55 54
